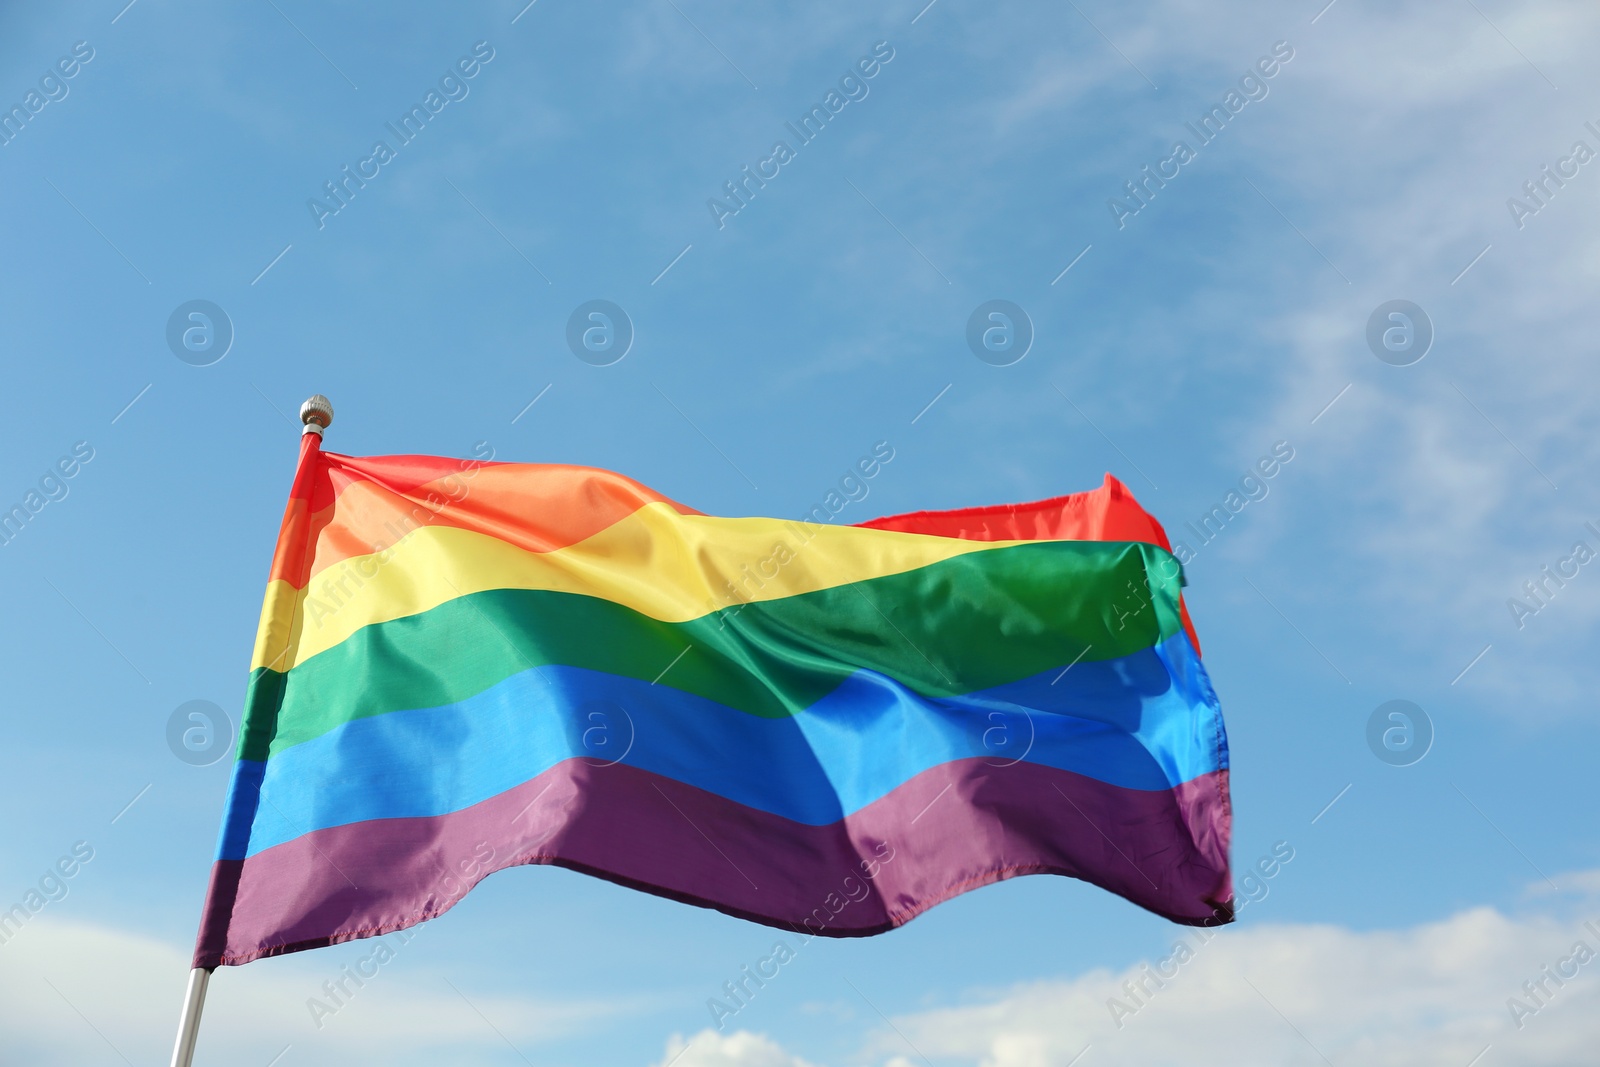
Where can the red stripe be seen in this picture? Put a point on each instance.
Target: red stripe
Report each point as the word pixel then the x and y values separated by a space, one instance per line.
pixel 1109 513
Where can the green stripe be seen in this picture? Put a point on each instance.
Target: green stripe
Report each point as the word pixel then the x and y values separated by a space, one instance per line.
pixel 972 622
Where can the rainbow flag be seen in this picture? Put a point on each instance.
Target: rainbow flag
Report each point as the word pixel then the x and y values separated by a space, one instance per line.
pixel 464 666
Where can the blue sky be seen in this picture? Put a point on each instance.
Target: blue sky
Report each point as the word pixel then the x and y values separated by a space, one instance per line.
pixel 1228 314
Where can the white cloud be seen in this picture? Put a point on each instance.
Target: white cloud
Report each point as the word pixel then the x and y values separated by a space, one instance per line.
pixel 1434 994
pixel 738 1049
pixel 71 992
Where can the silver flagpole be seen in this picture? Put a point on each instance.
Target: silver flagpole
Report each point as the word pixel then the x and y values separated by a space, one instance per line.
pixel 189 1022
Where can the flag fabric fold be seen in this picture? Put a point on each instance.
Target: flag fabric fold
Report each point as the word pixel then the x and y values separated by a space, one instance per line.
pixel 464 666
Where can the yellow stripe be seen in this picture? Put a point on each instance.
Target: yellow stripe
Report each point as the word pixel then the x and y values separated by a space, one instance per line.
pixel 662 564
pixel 279 631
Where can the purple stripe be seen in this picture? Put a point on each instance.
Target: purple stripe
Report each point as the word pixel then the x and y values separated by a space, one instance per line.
pixel 952 828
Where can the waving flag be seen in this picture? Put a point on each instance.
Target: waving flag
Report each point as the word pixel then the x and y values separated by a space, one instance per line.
pixel 464 666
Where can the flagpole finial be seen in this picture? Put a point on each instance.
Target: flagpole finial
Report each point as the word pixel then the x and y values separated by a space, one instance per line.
pixel 317 414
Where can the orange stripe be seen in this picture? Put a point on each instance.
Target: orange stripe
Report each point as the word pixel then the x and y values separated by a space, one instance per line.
pixel 400 473
pixel 289 557
pixel 534 506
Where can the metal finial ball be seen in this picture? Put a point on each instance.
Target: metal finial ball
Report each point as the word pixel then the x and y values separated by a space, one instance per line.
pixel 317 414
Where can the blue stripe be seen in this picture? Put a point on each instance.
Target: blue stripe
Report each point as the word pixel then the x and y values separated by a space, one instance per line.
pixel 1145 721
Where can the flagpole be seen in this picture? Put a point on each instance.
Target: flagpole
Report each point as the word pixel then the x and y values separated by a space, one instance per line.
pixel 189 1022
pixel 316 415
